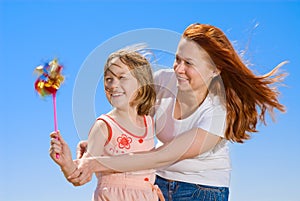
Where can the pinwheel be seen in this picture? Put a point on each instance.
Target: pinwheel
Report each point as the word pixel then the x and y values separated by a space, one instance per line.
pixel 48 82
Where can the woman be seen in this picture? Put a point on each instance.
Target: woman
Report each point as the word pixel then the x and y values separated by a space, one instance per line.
pixel 209 99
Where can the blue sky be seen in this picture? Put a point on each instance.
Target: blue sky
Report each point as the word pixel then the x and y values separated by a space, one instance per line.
pixel 265 168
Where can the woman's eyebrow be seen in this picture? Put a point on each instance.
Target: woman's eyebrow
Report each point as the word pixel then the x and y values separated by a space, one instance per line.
pixel 184 58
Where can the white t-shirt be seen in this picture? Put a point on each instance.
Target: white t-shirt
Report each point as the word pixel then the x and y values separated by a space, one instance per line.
pixel 210 168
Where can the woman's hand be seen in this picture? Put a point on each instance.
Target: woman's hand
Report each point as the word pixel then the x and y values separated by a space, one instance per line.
pixel 81 148
pixel 84 172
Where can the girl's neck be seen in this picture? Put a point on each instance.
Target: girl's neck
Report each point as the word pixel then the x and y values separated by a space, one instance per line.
pixel 128 117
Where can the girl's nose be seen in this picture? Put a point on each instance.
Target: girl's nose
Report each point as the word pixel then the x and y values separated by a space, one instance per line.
pixel 112 85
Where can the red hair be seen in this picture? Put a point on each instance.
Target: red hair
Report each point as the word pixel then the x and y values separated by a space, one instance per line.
pixel 247 96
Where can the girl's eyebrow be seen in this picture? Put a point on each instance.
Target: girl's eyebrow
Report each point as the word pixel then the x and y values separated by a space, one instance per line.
pixel 116 74
pixel 112 72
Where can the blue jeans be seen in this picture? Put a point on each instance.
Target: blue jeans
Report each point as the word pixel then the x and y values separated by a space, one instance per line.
pixel 181 191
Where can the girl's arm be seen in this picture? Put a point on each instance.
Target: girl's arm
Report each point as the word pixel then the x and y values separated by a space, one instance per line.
pixel 97 138
pixel 187 145
pixel 58 145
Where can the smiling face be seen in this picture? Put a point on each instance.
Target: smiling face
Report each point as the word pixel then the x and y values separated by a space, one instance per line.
pixel 193 67
pixel 120 85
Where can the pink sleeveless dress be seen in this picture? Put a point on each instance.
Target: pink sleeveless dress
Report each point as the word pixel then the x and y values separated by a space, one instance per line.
pixel 128 186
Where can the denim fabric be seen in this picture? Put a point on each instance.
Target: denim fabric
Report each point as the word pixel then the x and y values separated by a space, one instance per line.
pixel 182 191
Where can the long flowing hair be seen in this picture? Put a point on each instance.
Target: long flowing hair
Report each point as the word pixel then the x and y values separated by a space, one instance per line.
pixel 247 96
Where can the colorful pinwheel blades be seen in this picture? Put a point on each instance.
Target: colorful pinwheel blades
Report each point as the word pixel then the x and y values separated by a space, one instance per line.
pixel 49 79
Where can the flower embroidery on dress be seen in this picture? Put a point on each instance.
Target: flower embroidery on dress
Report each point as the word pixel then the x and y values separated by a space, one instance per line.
pixel 124 141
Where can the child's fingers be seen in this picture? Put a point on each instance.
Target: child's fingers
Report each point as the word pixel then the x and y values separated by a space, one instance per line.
pixel 53 153
pixel 55 141
pixel 57 148
pixel 55 145
pixel 56 135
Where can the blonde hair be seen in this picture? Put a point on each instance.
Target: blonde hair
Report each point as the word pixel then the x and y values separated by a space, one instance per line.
pixel 140 68
pixel 247 96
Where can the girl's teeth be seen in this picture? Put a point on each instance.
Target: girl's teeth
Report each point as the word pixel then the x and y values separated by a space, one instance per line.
pixel 116 94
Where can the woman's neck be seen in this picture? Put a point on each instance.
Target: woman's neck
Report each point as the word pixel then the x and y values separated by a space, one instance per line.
pixel 187 102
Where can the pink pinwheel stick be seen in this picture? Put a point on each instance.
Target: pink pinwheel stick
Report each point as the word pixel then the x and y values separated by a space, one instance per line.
pixel 55 117
pixel 54 108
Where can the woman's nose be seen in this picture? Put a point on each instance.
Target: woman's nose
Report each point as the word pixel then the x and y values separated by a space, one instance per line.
pixel 179 67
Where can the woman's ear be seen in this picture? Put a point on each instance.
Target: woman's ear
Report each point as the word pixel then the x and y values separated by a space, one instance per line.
pixel 216 72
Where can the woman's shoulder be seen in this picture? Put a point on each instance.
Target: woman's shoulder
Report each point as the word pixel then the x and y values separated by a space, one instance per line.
pixel 213 105
pixel 165 79
pixel 163 73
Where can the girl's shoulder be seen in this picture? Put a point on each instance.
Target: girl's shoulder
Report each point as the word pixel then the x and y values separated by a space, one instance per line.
pixel 104 122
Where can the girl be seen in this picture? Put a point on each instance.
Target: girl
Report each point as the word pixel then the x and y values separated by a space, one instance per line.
pixel 127 128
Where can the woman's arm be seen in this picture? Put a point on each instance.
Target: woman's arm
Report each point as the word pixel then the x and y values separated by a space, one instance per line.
pixel 187 145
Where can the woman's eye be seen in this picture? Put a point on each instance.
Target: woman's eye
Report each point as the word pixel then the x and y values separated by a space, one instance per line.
pixel 188 63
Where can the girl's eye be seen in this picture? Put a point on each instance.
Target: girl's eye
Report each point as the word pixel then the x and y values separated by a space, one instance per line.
pixel 122 77
pixel 108 79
